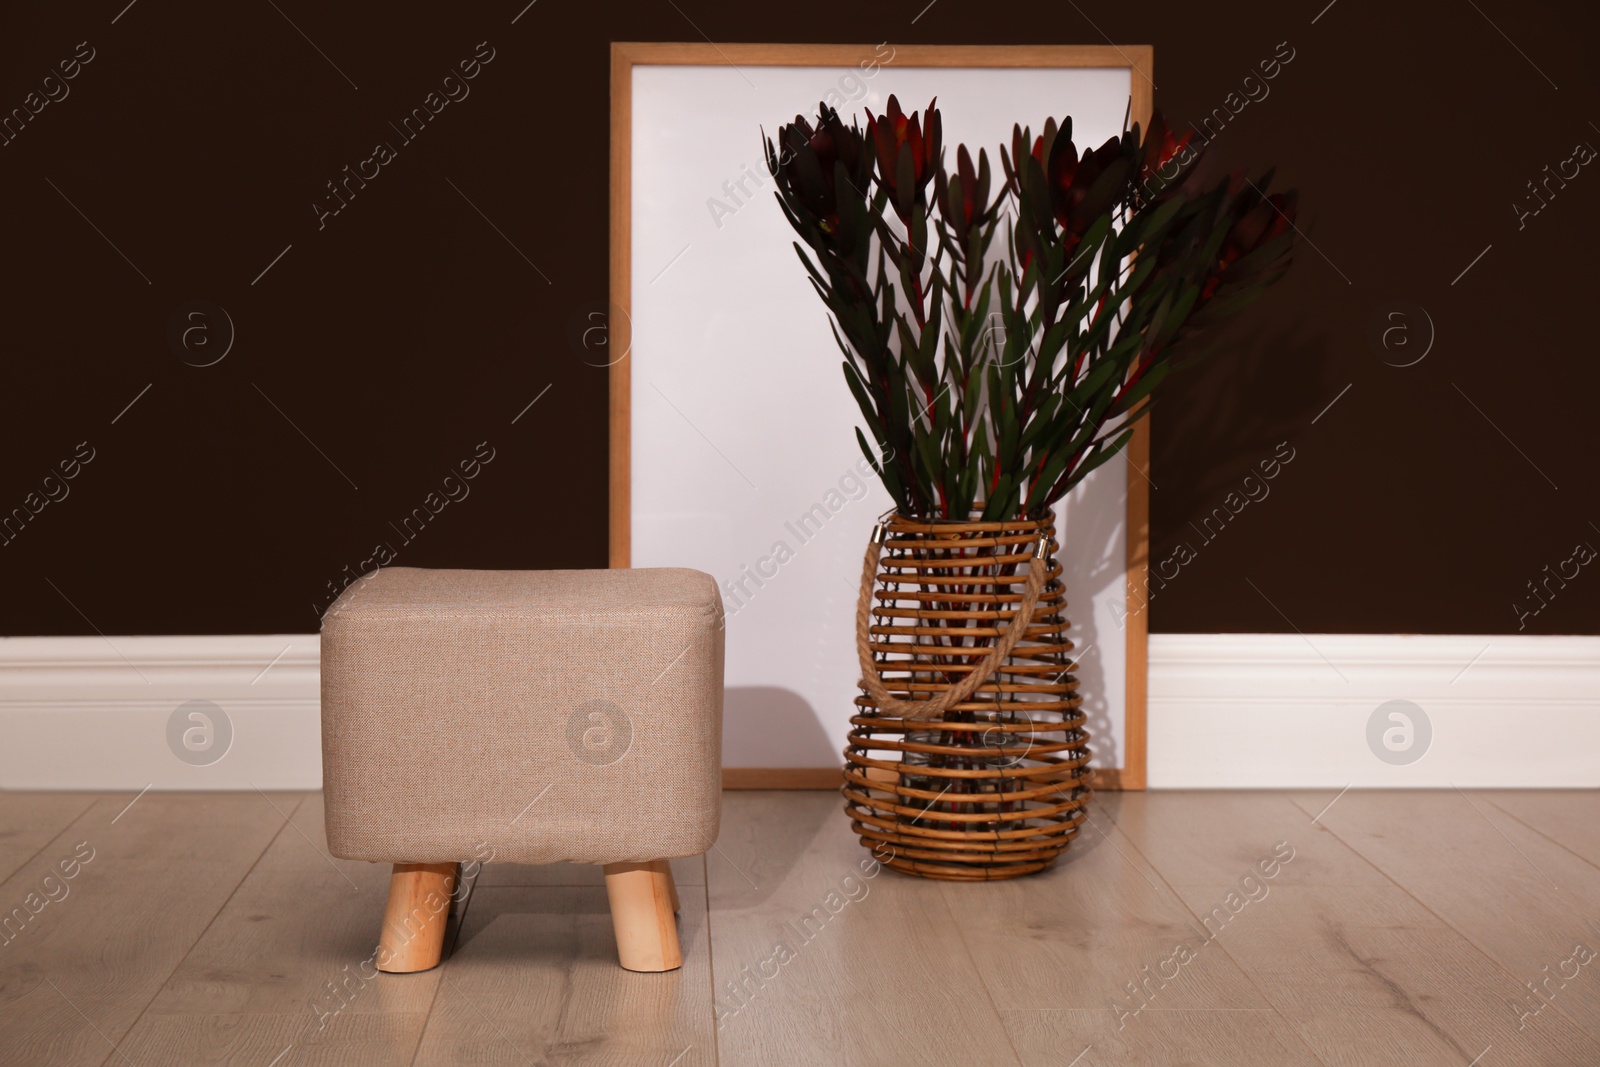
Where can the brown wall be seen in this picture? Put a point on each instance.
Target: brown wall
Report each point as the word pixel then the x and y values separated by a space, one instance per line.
pixel 382 348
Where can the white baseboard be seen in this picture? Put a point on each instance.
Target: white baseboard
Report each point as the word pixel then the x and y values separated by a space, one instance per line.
pixel 1291 711
pixel 1226 710
pixel 92 712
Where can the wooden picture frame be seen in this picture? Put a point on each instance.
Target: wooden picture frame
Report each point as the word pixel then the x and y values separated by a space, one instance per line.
pixel 1137 59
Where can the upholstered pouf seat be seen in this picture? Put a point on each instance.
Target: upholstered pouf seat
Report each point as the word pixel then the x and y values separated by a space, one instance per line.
pixel 523 717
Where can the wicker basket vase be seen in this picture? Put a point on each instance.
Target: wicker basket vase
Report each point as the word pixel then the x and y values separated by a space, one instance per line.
pixel 968 759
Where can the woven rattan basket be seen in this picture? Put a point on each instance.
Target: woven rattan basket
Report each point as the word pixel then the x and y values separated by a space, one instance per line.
pixel 967 759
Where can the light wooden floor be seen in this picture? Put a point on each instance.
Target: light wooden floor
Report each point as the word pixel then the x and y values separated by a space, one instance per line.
pixel 1406 928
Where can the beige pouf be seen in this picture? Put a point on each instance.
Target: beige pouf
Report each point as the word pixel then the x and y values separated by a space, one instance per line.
pixel 524 717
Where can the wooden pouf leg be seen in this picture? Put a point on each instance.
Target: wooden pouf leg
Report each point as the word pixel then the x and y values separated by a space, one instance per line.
pixel 415 917
pixel 642 897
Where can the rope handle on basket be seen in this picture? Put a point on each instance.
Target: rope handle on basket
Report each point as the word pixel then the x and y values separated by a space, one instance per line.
pixel 930 709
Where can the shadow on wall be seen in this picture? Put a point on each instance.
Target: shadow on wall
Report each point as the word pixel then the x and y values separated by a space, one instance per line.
pixel 1213 417
pixel 1217 411
pixel 771 719
pixel 1096 564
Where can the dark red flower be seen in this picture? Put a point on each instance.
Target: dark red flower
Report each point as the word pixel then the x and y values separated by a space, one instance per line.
pixel 895 134
pixel 1163 157
pixel 1073 179
pixel 806 164
pixel 972 184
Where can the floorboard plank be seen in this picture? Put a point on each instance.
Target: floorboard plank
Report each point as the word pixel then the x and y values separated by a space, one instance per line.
pixel 1368 975
pixel 535 979
pixel 1160 1038
pixel 1522 899
pixel 1569 817
pixel 1079 935
pixel 267 1040
pixel 30 821
pixel 299 936
pixel 816 962
pixel 1213 838
pixel 84 968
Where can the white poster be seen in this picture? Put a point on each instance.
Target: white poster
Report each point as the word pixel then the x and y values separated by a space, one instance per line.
pixel 744 458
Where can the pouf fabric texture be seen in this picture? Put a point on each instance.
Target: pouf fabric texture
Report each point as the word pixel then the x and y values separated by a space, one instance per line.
pixel 523 716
